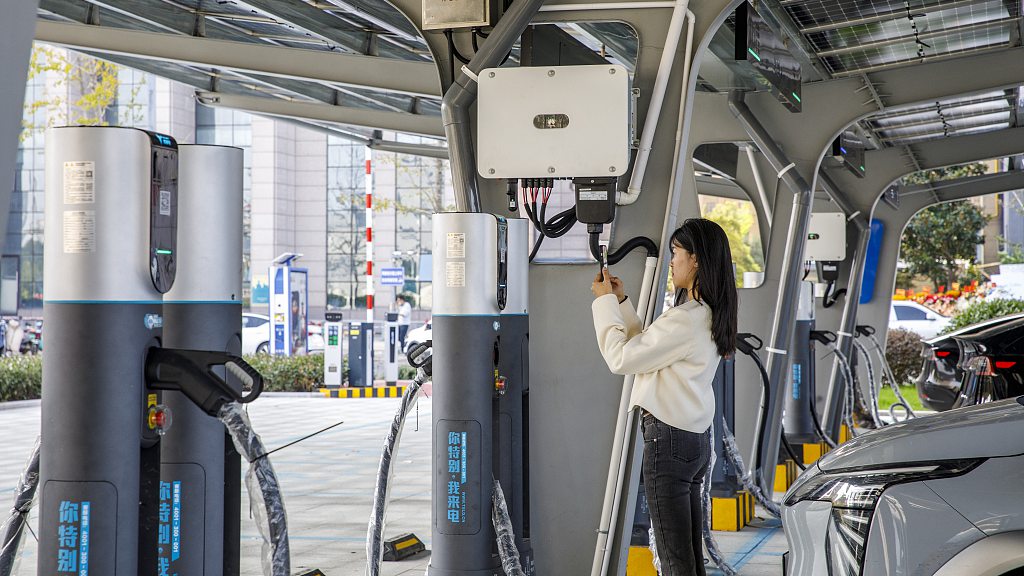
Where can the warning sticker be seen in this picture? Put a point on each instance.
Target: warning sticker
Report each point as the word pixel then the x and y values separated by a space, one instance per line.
pixel 456 245
pixel 165 203
pixel 79 182
pixel 79 231
pixel 455 274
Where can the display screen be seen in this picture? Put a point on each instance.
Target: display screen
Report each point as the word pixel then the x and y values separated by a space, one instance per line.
pixel 758 44
pixel 850 151
pixel 163 213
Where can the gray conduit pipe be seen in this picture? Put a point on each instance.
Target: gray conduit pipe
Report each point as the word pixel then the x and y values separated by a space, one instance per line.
pixel 789 285
pixel 14 526
pixel 462 93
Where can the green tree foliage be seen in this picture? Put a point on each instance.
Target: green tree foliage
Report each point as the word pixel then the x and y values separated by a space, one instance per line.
pixel 738 220
pixel 940 238
pixel 81 91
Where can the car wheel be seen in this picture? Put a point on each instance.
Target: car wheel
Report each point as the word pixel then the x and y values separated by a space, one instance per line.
pixel 263 348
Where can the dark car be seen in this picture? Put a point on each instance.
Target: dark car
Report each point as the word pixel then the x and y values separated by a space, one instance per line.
pixel 938 383
pixel 992 362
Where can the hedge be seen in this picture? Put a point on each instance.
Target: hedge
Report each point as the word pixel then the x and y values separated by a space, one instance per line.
pixel 21 377
pixel 903 352
pixel 984 310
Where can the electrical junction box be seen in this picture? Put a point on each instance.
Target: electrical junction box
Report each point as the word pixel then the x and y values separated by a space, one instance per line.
pixel 444 14
pixel 553 121
pixel 826 237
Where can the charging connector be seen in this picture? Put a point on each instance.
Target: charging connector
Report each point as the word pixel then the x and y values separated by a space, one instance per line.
pixel 595 200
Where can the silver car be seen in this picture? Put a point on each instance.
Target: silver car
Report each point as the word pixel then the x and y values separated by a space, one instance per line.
pixel 941 494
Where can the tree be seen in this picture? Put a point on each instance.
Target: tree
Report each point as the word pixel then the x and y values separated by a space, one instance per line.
pixel 941 239
pixel 86 89
pixel 738 219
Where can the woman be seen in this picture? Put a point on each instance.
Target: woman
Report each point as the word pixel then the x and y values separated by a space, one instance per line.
pixel 675 360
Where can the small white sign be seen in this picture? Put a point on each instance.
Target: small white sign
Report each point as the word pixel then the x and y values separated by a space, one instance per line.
pixel 79 182
pixel 593 194
pixel 392 276
pixel 455 274
pixel 456 245
pixel 165 202
pixel 79 231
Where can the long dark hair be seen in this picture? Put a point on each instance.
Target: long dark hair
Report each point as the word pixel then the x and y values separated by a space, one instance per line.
pixel 715 281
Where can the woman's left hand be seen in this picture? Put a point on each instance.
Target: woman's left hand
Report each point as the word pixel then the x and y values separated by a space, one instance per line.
pixel 602 284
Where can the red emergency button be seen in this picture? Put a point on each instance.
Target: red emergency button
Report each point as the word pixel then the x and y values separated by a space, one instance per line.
pixel 159 418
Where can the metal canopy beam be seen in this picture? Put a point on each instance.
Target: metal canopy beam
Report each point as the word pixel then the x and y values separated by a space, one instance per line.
pixel 888 165
pixel 970 187
pixel 315 21
pixel 398 122
pixel 15 46
pixel 895 14
pixel 407 77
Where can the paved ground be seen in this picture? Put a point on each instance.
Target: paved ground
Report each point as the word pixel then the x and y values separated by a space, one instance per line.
pixel 327 482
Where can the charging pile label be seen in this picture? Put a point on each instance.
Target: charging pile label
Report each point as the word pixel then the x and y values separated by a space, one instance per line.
pixel 79 231
pixel 73 537
pixel 79 182
pixel 169 530
pixel 457 477
pixel 797 380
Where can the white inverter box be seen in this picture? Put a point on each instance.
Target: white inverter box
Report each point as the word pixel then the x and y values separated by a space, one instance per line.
pixel 826 237
pixel 553 121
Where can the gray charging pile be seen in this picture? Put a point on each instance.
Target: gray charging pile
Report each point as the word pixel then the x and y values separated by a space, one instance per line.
pixel 799 415
pixel 111 200
pixel 511 464
pixel 200 469
pixel 470 257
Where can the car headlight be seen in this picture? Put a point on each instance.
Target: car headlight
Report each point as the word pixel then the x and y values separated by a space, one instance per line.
pixel 854 493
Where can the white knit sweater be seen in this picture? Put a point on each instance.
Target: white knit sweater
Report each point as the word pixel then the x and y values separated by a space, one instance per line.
pixel 674 359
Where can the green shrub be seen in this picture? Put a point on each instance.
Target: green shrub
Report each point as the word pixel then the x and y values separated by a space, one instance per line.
pixel 21 377
pixel 984 310
pixel 903 352
pixel 289 374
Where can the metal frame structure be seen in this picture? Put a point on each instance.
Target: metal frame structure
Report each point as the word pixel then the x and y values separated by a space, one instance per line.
pixel 309 62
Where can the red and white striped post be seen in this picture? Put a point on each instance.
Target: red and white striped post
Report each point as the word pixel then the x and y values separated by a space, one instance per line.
pixel 369 234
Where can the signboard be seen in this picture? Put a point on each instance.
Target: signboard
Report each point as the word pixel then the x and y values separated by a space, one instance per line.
pixel 891 196
pixel 769 55
pixel 392 276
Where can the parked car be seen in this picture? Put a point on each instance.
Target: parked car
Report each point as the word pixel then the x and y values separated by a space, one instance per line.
pixel 992 362
pixel 910 315
pixel 255 333
pixel 417 335
pixel 938 383
pixel 941 495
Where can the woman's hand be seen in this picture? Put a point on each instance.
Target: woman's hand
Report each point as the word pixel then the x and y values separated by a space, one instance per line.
pixel 605 283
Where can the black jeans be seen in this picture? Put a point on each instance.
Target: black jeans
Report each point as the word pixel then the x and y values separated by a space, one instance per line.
pixel 675 462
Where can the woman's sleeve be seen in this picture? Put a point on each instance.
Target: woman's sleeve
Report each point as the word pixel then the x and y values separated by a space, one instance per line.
pixel 663 343
pixel 629 316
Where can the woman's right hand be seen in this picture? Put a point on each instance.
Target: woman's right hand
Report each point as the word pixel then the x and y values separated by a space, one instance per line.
pixel 617 288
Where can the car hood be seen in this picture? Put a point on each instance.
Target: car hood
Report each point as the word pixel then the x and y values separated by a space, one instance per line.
pixel 983 431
